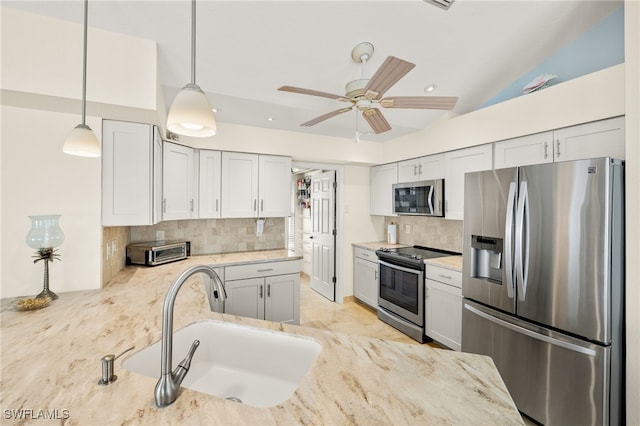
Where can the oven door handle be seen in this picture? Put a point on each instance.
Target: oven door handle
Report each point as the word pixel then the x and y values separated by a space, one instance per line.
pixel 402 268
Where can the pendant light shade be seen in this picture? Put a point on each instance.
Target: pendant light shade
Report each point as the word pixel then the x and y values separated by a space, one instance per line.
pixel 82 141
pixel 191 113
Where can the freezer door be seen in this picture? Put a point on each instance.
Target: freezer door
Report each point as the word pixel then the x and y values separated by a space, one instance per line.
pixel 564 219
pixel 553 378
pixel 488 240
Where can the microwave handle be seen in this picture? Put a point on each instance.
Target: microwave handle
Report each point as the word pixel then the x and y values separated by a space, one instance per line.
pixel 430 199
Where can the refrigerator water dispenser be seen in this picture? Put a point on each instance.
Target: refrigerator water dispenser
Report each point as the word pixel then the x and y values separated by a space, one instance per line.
pixel 486 258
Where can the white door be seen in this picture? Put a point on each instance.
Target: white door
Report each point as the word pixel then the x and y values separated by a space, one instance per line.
pixel 323 225
pixel 177 182
pixel 239 184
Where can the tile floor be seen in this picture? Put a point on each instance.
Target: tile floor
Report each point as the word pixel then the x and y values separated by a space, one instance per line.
pixel 351 317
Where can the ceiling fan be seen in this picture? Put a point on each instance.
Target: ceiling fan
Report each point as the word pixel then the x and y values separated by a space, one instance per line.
pixel 365 93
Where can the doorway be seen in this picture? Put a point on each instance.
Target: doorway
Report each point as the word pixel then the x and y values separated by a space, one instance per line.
pixel 317 225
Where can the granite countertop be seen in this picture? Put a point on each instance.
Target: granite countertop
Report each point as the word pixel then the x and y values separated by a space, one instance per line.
pixel 375 245
pixel 450 262
pixel 51 365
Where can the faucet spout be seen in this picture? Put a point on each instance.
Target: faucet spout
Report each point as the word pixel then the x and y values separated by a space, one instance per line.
pixel 166 390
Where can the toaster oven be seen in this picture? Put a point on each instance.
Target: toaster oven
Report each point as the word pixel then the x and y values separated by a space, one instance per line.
pixel 157 252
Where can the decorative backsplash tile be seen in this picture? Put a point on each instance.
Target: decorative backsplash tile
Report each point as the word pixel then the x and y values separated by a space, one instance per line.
pixel 428 231
pixel 212 236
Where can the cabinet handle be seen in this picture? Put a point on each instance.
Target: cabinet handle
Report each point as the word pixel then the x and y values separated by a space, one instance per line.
pixel 546 150
pixel 216 204
pixel 557 147
pixel 447 277
pixel 191 205
pixel 420 168
pixel 261 295
pixel 268 290
pixel 265 270
pixel 261 205
pixel 415 169
pixel 255 205
pixel 164 205
pixel 376 275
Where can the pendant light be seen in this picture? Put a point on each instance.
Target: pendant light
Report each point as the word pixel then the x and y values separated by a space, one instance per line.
pixel 82 141
pixel 191 113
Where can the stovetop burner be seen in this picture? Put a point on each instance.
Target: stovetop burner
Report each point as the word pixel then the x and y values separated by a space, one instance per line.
pixel 415 255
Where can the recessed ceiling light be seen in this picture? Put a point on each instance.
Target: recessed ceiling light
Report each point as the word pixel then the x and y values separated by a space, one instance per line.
pixel 270 118
pixel 430 88
pixel 216 109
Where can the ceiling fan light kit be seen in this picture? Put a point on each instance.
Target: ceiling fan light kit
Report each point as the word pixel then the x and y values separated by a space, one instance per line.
pixel 364 93
pixel 191 113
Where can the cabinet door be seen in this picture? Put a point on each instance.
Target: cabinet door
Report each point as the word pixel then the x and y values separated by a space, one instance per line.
pixel 365 281
pixel 603 138
pixel 531 149
pixel 431 167
pixel 127 174
pixel 382 179
pixel 245 298
pixel 177 182
pixel 408 171
pixel 443 318
pixel 157 175
pixel 209 187
pixel 239 184
pixel 274 186
pixel 457 163
pixel 282 301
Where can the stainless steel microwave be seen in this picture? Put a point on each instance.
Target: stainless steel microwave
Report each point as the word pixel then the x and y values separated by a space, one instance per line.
pixel 424 198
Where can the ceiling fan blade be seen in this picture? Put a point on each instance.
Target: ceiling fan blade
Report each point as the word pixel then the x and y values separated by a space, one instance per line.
pixel 376 120
pixel 325 117
pixel 391 70
pixel 312 93
pixel 420 102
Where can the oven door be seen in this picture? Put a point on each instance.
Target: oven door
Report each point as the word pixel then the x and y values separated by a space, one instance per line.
pixel 402 291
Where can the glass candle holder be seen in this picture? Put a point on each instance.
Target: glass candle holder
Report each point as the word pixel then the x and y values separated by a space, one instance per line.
pixel 45 234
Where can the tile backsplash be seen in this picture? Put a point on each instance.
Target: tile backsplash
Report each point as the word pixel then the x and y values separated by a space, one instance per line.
pixel 428 231
pixel 212 236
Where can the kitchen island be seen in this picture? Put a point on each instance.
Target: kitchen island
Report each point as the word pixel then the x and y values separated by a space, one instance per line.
pixel 51 365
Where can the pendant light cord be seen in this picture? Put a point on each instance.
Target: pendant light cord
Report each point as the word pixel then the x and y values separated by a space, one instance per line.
pixel 193 41
pixel 84 65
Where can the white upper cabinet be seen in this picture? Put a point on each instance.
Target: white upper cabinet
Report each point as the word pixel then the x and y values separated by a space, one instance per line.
pixel 255 185
pixel 604 138
pixel 382 179
pixel 131 174
pixel 239 184
pixel 178 182
pixel 209 190
pixel 531 149
pixel 457 163
pixel 423 168
pixel 274 187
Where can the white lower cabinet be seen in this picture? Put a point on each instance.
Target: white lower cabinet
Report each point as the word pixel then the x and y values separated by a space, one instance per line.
pixel 443 306
pixel 365 276
pixel 269 291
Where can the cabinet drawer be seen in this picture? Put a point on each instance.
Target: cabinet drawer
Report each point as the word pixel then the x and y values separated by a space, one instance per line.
pixel 254 270
pixel 444 275
pixel 365 254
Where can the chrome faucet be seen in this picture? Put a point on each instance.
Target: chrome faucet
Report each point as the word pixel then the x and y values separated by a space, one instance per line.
pixel 169 383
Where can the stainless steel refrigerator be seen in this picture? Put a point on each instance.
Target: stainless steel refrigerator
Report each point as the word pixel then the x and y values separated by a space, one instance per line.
pixel 543 278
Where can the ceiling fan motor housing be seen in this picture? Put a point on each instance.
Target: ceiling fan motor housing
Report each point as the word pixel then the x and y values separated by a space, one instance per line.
pixel 355 88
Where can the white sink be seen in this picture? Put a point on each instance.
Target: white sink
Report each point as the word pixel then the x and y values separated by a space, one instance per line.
pixel 260 367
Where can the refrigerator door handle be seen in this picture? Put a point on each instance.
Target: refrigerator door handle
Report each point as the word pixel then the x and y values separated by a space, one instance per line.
pixel 508 239
pixel 522 238
pixel 529 333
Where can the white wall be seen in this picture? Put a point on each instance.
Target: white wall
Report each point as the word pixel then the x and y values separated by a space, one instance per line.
pixel 37 178
pixel 632 126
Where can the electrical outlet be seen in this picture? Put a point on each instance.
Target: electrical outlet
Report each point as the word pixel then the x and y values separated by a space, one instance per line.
pixel 407 229
pixel 159 235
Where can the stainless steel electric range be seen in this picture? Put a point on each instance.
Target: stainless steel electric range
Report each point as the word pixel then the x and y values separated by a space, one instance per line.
pixel 401 289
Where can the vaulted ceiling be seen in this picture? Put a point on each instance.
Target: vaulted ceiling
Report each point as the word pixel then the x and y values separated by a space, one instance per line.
pixel 247 49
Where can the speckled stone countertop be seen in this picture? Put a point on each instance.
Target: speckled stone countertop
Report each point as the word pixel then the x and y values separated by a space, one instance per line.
pixel 450 262
pixel 375 245
pixel 51 366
